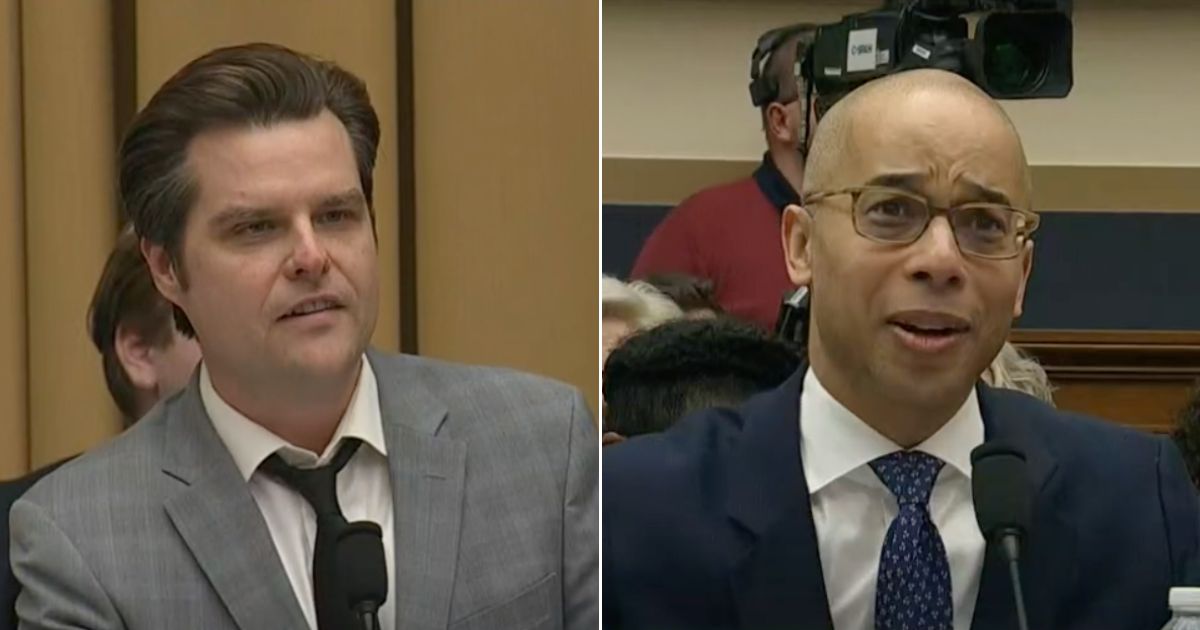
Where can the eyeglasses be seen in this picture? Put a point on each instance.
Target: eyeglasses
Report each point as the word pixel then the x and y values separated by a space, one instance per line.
pixel 892 215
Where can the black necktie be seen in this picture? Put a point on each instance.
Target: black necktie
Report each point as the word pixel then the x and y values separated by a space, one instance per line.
pixel 319 487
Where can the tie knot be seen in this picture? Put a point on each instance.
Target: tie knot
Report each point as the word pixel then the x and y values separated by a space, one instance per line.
pixel 317 485
pixel 909 475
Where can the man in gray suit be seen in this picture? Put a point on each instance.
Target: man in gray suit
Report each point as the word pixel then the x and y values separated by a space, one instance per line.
pixel 248 177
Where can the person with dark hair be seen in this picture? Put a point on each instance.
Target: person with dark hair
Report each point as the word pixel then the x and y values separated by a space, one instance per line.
pixel 145 359
pixel 659 375
pixel 236 504
pixel 1186 435
pixel 729 234
pixel 851 496
pixel 694 296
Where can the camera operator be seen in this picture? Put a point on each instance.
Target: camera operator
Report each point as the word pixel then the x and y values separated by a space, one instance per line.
pixel 729 234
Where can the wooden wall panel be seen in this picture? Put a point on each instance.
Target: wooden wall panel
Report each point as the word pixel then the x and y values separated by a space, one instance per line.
pixel 1141 379
pixel 506 145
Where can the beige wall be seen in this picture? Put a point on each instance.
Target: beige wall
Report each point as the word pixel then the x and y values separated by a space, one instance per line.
pixel 506 152
pixel 14 454
pixel 676 71
pixel 359 35
pixel 70 219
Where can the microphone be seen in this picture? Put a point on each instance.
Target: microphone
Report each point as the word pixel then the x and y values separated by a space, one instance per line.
pixel 1003 507
pixel 792 322
pixel 362 570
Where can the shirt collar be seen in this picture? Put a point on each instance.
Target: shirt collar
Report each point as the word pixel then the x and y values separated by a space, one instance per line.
pixel 774 185
pixel 249 443
pixel 835 442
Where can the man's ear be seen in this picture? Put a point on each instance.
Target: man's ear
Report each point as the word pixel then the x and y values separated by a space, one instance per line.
pixel 1026 268
pixel 133 352
pixel 162 270
pixel 797 244
pixel 778 123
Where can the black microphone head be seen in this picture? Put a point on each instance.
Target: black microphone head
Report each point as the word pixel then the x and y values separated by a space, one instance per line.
pixel 1000 488
pixel 362 570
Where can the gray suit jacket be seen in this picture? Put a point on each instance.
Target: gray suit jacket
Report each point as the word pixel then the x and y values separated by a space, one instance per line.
pixel 494 482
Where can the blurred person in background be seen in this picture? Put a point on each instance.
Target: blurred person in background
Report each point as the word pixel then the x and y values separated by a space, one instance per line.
pixel 729 234
pixel 660 375
pixel 145 356
pixel 1186 434
pixel 691 294
pixel 145 359
pixel 629 307
pixel 1015 370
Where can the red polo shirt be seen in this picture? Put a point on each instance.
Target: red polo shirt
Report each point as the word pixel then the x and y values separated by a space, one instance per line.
pixel 729 234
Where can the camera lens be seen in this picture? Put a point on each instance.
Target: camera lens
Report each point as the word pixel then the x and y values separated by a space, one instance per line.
pixel 1026 53
pixel 1015 64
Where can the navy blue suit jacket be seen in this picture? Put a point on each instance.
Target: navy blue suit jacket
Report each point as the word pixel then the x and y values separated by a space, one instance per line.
pixel 709 525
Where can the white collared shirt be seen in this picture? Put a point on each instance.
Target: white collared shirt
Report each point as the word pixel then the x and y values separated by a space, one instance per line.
pixel 364 486
pixel 852 509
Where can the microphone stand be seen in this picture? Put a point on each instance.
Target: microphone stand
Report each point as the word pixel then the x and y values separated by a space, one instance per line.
pixel 1010 545
pixel 1003 508
pixel 368 616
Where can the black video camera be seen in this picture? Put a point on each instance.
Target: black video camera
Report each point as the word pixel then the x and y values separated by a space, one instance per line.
pixel 1019 49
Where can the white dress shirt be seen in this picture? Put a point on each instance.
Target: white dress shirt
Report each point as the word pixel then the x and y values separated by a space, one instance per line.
pixel 852 509
pixel 364 486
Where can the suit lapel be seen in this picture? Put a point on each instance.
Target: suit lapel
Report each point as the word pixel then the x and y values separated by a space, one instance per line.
pixel 213 511
pixel 1046 569
pixel 428 473
pixel 777 581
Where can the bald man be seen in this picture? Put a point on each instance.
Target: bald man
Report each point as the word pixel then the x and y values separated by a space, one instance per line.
pixel 843 498
pixel 729 234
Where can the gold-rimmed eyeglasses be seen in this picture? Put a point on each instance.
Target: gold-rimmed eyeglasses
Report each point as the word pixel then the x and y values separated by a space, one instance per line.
pixel 892 215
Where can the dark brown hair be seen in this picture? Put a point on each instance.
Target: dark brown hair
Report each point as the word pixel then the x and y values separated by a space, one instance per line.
pixel 688 292
pixel 126 297
pixel 661 374
pixel 253 84
pixel 781 65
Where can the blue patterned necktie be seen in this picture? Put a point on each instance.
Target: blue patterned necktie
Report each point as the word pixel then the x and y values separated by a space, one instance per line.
pixel 913 589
